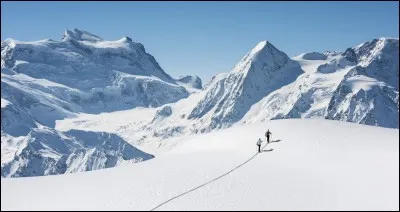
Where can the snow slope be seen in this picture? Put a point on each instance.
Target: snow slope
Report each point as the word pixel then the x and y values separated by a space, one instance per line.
pixel 316 165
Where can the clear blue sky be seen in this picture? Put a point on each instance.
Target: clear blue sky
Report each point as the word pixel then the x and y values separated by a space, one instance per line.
pixel 205 38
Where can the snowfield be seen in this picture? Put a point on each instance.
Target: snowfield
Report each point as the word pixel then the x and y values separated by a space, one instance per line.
pixel 316 165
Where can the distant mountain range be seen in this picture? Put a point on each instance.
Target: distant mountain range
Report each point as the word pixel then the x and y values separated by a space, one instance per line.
pixel 60 99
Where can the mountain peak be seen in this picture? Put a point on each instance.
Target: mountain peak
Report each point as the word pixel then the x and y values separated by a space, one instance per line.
pixel 263 53
pixel 263 46
pixel 7 42
pixel 265 49
pixel 261 71
pixel 389 38
pixel 370 49
pixel 127 39
pixel 80 35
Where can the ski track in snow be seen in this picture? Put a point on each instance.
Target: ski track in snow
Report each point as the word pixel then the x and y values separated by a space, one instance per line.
pixel 215 179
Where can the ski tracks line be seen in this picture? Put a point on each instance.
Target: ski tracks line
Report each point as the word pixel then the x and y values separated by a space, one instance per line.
pixel 206 183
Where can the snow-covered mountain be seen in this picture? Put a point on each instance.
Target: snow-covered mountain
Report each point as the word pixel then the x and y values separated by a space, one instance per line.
pixel 267 85
pixel 369 93
pixel 48 80
pixel 88 84
pixel 359 85
pixel 227 98
pixel 89 74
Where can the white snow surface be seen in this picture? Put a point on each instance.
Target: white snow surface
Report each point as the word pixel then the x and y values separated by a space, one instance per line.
pixel 316 165
pixel 362 82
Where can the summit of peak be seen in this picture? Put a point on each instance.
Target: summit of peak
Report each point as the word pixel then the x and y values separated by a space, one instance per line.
pixel 81 35
pixel 265 51
pixel 263 45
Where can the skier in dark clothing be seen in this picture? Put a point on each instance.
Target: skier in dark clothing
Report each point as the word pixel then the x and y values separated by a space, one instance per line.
pixel 259 145
pixel 268 134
